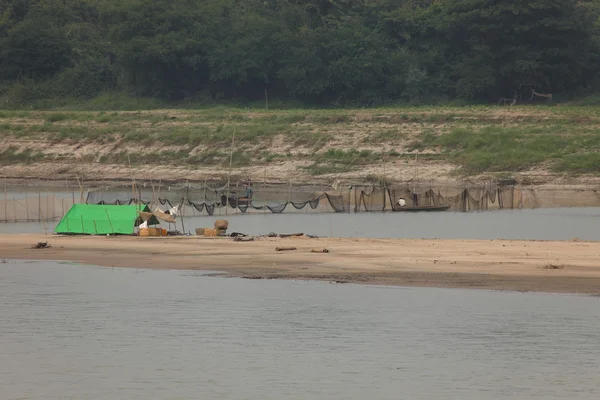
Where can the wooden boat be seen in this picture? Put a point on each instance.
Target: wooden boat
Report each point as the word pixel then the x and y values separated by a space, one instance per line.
pixel 441 207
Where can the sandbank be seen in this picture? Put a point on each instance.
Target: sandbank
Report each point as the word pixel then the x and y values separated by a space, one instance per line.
pixel 540 266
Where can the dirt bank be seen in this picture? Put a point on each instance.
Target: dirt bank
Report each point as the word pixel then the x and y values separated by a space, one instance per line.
pixel 554 146
pixel 569 267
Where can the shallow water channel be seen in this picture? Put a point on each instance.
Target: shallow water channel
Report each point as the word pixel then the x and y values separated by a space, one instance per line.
pixel 79 332
pixel 538 224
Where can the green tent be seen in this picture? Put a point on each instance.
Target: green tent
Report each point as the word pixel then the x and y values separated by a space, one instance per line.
pixel 100 219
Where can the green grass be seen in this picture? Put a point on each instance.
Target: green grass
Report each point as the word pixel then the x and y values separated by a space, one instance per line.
pixel 12 155
pixel 578 163
pixel 324 169
pixel 480 139
pixel 495 149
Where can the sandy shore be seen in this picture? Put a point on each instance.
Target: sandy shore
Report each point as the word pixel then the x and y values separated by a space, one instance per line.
pixel 544 266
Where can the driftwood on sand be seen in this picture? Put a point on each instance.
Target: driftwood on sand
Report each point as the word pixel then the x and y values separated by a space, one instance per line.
pixel 243 239
pixel 319 251
pixel 284 248
pixel 286 235
pixel 41 245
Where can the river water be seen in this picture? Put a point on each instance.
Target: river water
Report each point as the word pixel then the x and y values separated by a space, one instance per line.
pixel 539 224
pixel 79 332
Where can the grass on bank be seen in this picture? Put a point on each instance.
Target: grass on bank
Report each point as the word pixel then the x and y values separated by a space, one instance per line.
pixel 480 139
pixel 496 149
pixel 12 155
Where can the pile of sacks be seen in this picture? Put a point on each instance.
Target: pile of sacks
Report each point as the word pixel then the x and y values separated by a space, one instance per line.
pixel 220 229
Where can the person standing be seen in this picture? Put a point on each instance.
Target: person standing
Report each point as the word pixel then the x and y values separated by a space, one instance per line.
pixel 249 191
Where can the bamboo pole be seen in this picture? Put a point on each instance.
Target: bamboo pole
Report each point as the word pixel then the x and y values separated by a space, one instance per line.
pixel 186 196
pixel 133 196
pixel 15 208
pixel 183 208
pixel 81 186
pixel 159 188
pixel 182 223
pixel 314 194
pixel 153 201
pixel 384 186
pixel 5 201
pixel 45 222
pixel 53 197
pixel 109 221
pixel 26 205
pixel 205 189
pixel 80 183
pixel 230 165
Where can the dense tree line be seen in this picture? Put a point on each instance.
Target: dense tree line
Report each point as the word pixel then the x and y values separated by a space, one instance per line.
pixel 317 51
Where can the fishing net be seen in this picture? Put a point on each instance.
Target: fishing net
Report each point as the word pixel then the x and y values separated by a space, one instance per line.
pixel 119 197
pixel 277 208
pixel 220 199
pixel 35 207
pixel 370 199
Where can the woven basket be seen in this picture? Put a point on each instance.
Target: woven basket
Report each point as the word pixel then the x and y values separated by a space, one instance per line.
pixel 209 232
pixel 221 224
pixel 153 232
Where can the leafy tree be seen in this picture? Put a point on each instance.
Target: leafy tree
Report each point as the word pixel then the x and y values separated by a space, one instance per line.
pixel 320 51
pixel 481 48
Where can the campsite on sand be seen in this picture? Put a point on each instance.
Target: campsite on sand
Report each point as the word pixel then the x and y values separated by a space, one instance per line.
pixel 131 235
pixel 469 150
pixel 544 266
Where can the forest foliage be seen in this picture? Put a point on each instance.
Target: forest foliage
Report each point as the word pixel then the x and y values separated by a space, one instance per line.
pixel 320 52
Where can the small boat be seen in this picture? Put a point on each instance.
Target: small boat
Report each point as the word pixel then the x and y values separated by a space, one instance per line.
pixel 441 207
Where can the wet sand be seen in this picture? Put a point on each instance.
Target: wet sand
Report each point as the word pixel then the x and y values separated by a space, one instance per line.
pixel 542 266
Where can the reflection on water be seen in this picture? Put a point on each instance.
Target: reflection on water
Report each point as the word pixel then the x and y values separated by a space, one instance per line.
pixel 539 224
pixel 75 332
